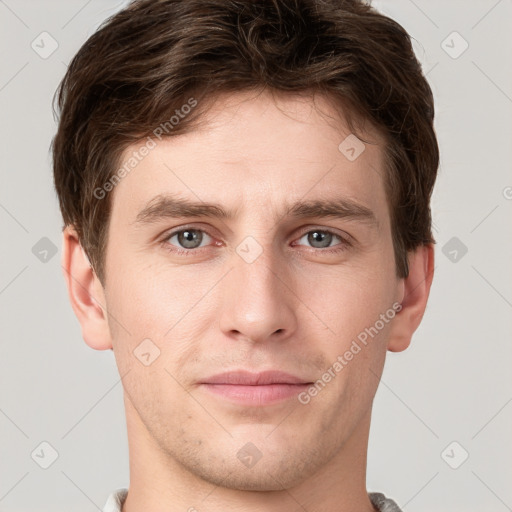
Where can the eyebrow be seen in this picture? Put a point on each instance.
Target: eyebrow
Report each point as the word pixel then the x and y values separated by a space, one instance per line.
pixel 163 207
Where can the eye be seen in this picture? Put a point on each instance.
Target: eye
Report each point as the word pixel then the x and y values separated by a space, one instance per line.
pixel 322 239
pixel 186 239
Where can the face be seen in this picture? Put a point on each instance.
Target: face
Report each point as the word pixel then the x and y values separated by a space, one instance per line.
pixel 270 279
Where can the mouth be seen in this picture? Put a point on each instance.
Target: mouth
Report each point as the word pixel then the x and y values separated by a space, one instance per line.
pixel 255 389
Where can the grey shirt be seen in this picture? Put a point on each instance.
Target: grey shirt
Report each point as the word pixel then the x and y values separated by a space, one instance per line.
pixel 379 501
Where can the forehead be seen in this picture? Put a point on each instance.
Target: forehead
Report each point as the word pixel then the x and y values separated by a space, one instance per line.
pixel 259 151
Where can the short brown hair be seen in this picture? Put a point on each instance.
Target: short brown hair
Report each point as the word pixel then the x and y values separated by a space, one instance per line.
pixel 153 56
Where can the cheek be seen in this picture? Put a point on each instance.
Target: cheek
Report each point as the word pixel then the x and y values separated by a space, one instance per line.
pixel 348 300
pixel 154 313
pixel 351 304
pixel 153 299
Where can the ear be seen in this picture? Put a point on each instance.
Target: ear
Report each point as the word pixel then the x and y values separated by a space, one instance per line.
pixel 85 292
pixel 416 289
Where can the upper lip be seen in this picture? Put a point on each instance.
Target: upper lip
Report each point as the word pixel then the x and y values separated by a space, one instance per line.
pixel 242 377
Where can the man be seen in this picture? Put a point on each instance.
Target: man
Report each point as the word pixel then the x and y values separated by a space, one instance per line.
pixel 246 190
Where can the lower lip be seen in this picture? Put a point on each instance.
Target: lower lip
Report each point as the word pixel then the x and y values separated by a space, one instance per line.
pixel 256 395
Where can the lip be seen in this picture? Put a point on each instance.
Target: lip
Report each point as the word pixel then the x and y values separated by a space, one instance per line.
pixel 245 378
pixel 255 389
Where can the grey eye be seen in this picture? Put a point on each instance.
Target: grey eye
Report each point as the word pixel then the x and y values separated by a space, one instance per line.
pixel 188 238
pixel 320 239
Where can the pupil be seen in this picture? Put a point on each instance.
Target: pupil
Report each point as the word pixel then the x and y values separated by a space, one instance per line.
pixel 320 236
pixel 189 238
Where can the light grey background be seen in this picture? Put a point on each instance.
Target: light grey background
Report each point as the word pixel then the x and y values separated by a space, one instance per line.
pixel 452 384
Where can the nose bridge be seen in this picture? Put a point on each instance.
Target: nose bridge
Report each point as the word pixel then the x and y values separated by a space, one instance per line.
pixel 258 266
pixel 257 301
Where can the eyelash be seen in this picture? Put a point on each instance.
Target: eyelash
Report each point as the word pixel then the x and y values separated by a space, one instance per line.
pixel 344 242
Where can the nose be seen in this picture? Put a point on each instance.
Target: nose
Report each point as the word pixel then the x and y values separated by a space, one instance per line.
pixel 258 302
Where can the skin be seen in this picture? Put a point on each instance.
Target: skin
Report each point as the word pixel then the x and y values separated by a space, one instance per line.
pixel 296 308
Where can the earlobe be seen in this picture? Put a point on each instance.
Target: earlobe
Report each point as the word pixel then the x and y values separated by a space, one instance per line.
pixel 416 289
pixel 85 292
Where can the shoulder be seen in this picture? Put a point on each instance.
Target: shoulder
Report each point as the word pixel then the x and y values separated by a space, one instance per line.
pixel 383 504
pixel 115 500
